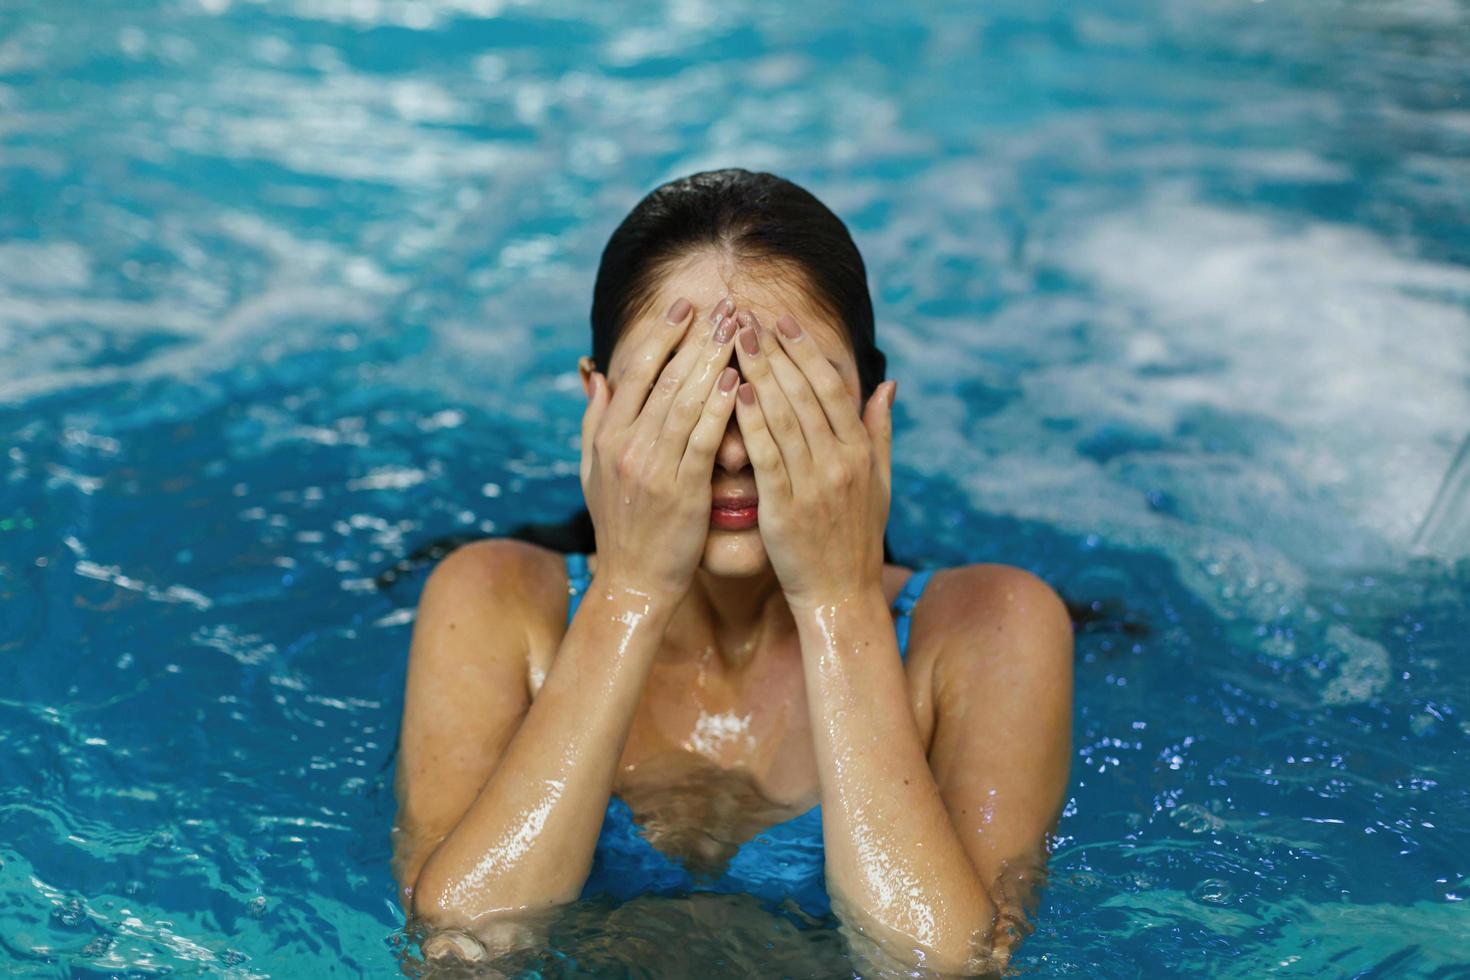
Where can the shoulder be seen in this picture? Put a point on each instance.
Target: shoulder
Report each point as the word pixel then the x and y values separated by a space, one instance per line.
pixel 495 557
pixel 499 576
pixel 988 616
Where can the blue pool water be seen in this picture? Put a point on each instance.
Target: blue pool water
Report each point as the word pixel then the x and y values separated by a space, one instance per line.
pixel 1179 298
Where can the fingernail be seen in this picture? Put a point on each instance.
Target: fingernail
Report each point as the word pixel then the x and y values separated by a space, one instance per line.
pixel 678 311
pixel 750 342
pixel 725 331
pixel 892 392
pixel 747 393
pixel 728 377
pixel 789 327
pixel 722 309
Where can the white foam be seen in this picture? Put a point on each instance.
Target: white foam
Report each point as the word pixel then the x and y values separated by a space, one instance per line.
pixel 1332 367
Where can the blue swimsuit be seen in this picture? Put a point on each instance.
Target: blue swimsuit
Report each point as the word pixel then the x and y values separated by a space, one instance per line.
pixel 783 861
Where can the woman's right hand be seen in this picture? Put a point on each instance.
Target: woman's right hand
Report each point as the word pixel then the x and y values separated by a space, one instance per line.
pixel 648 451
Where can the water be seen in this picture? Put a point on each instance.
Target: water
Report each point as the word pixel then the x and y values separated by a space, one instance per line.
pixel 1179 298
pixel 1446 528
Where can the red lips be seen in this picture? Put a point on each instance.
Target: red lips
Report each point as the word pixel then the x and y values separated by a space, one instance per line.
pixel 733 513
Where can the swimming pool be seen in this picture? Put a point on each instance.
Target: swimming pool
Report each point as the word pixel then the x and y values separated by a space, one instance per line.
pixel 1179 298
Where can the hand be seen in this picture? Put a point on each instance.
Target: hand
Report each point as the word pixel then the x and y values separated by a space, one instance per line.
pixel 822 474
pixel 648 458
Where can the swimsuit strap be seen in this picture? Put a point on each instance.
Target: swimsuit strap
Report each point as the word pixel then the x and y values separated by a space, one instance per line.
pixel 578 578
pixel 907 597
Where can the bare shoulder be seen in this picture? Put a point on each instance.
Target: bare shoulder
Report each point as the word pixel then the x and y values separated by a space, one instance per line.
pixel 505 562
pixel 984 615
pixel 498 578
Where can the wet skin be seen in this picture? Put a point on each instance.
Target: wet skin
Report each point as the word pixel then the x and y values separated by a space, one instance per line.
pixel 770 684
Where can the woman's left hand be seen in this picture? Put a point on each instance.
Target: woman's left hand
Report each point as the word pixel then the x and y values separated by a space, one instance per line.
pixel 821 472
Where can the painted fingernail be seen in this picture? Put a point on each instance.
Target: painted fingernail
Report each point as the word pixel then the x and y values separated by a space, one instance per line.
pixel 722 309
pixel 788 325
pixel 750 342
pixel 678 311
pixel 728 377
pixel 747 393
pixel 724 331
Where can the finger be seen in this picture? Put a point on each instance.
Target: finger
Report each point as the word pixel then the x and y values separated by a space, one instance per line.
pixel 772 481
pixel 648 363
pixel 699 456
pixel 826 383
pixel 688 405
pixel 878 421
pixel 596 410
pixel 776 412
pixel 820 438
pixel 689 363
pixel 648 426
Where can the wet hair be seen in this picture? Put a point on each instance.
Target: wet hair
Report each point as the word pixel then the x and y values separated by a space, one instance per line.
pixel 766 225
pixel 762 222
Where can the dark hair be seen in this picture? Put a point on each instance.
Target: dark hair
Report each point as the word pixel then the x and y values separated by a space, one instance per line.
pixel 757 219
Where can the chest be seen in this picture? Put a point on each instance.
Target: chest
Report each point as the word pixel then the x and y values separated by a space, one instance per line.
pixel 727 741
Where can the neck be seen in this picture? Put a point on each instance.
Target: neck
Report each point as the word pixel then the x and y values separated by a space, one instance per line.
pixel 740 611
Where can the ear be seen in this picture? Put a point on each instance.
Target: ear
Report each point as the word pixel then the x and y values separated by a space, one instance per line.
pixel 585 367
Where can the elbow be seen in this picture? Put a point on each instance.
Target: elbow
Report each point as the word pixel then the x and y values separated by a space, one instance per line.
pixel 441 901
pixel 982 953
pixel 430 904
pixel 442 898
pixel 455 933
pixel 968 945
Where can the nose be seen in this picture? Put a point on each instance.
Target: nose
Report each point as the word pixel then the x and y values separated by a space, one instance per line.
pixel 731 456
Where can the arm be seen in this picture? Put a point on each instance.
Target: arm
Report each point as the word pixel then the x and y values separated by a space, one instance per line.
pixel 967 827
pixel 464 698
pixel 896 869
pixel 903 866
pixel 1002 646
pixel 527 838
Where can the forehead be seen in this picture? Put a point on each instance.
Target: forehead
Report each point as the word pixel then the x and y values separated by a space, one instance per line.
pixel 766 289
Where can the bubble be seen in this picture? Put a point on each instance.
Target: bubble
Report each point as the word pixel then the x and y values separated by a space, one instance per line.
pixel 1196 819
pixel 1213 891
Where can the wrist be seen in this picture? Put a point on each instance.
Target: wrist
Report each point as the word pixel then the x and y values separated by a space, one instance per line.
pixel 832 600
pixel 634 594
pixel 838 627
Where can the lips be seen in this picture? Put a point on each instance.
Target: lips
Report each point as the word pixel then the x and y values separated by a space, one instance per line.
pixel 733 513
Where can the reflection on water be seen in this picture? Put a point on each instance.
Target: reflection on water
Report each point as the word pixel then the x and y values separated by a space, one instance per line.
pixel 1179 299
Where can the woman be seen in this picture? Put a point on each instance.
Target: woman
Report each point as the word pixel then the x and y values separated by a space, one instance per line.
pixel 735 664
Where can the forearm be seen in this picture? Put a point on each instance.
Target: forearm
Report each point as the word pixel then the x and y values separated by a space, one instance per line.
pixel 895 866
pixel 528 839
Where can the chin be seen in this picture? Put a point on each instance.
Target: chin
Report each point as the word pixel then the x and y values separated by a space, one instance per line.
pixel 734 554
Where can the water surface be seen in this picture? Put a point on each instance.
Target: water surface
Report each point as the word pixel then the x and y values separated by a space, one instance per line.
pixel 1179 299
